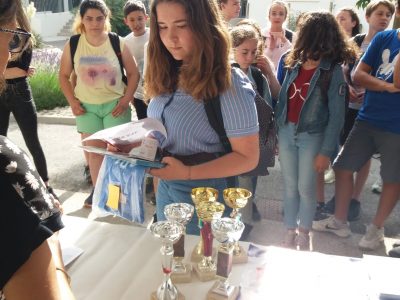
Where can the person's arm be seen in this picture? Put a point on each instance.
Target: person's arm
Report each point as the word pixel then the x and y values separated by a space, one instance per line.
pixel 243 158
pixel 266 67
pixel 363 77
pixel 38 277
pixel 396 72
pixel 15 72
pixel 65 83
pixel 132 73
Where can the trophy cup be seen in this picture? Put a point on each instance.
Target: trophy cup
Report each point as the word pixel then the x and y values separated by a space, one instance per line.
pixel 201 194
pixel 181 213
pixel 168 232
pixel 227 231
pixel 236 198
pixel 207 211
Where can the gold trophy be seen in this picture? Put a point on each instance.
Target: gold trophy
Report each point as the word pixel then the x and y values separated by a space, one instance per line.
pixel 236 198
pixel 207 211
pixel 201 194
pixel 227 231
pixel 181 213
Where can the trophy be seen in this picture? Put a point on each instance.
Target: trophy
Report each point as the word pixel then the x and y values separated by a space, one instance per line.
pixel 168 232
pixel 181 213
pixel 201 194
pixel 207 211
pixel 236 198
pixel 227 231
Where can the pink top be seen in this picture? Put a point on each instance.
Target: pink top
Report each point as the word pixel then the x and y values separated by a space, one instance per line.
pixel 275 45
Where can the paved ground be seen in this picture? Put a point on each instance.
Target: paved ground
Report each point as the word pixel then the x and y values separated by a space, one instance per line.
pixel 65 163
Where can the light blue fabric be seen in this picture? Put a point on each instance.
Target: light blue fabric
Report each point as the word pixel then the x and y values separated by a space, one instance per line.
pixel 297 153
pixel 130 179
pixel 316 116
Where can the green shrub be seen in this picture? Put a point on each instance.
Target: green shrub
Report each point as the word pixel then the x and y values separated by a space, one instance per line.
pixel 44 83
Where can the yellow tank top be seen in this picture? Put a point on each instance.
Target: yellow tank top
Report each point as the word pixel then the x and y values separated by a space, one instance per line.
pixel 99 78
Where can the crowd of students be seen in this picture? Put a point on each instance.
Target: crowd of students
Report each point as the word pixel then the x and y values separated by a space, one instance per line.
pixel 330 86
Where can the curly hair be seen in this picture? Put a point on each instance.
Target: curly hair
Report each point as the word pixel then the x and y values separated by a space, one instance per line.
pixel 320 37
pixel 207 72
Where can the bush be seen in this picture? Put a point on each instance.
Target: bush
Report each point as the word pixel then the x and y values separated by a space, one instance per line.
pixel 44 83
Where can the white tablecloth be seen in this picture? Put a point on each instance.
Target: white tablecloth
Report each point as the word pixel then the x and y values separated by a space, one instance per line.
pixel 123 262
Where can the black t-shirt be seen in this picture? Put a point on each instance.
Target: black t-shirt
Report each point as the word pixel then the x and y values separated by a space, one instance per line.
pixel 28 215
pixel 23 61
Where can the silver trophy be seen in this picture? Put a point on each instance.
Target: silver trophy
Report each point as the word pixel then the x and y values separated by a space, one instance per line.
pixel 181 213
pixel 227 231
pixel 168 232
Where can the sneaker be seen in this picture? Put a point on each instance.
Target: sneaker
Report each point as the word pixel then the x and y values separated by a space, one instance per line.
pixel 290 239
pixel 303 241
pixel 372 239
pixel 330 206
pixel 51 191
pixel 86 174
pixel 256 216
pixel 377 187
pixel 329 176
pixel 396 244
pixel 330 224
pixel 395 252
pixel 354 210
pixel 89 200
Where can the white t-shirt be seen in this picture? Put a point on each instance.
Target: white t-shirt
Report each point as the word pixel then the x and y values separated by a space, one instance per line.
pixel 135 45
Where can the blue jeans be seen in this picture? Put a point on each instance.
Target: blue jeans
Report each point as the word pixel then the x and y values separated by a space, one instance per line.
pixel 297 154
pixel 179 191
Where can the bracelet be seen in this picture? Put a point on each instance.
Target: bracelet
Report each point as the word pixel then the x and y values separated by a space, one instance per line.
pixel 65 273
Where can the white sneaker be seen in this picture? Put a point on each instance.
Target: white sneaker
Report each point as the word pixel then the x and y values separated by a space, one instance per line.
pixel 329 176
pixel 373 238
pixel 330 224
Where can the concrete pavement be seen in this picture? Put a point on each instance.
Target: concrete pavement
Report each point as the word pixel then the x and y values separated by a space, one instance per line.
pixel 65 163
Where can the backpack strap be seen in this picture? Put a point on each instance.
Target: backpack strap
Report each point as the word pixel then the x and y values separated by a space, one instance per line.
pixel 325 81
pixel 289 35
pixel 359 39
pixel 73 45
pixel 114 39
pixel 258 78
pixel 214 115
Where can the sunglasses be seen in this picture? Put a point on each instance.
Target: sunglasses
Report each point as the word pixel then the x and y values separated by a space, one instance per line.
pixel 20 39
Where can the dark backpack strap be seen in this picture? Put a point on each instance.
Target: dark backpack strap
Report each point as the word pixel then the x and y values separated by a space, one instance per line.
pixel 214 115
pixel 359 39
pixel 325 81
pixel 289 35
pixel 258 78
pixel 73 45
pixel 114 39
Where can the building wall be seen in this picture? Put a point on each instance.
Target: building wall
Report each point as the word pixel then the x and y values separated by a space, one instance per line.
pixel 49 24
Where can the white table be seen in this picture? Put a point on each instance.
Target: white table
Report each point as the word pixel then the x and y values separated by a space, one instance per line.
pixel 124 262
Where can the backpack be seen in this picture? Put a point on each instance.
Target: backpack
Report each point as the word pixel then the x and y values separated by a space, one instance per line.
pixel 114 39
pixel 267 128
pixel 359 39
pixel 289 35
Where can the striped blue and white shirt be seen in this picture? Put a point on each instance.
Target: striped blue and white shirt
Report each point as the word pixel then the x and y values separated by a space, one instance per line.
pixel 186 121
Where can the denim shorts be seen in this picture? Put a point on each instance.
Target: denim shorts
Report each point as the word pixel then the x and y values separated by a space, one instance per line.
pixel 363 141
pixel 98 117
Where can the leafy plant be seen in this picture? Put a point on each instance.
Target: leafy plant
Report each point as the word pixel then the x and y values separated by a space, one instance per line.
pixel 46 89
pixel 362 3
pixel 117 16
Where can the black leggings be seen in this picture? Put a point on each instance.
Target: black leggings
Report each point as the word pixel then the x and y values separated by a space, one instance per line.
pixel 17 99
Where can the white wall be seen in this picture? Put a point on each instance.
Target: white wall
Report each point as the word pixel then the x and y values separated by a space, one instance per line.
pixel 49 24
pixel 258 9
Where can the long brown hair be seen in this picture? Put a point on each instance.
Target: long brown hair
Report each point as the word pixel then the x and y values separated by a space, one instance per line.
pixel 320 36
pixel 207 72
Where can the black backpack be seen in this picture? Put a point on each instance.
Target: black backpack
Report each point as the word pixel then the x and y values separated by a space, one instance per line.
pixel 289 35
pixel 114 39
pixel 267 127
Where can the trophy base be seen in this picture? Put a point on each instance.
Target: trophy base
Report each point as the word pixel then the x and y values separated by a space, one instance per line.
pixel 205 275
pixel 154 296
pixel 196 257
pixel 232 295
pixel 182 277
pixel 242 258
